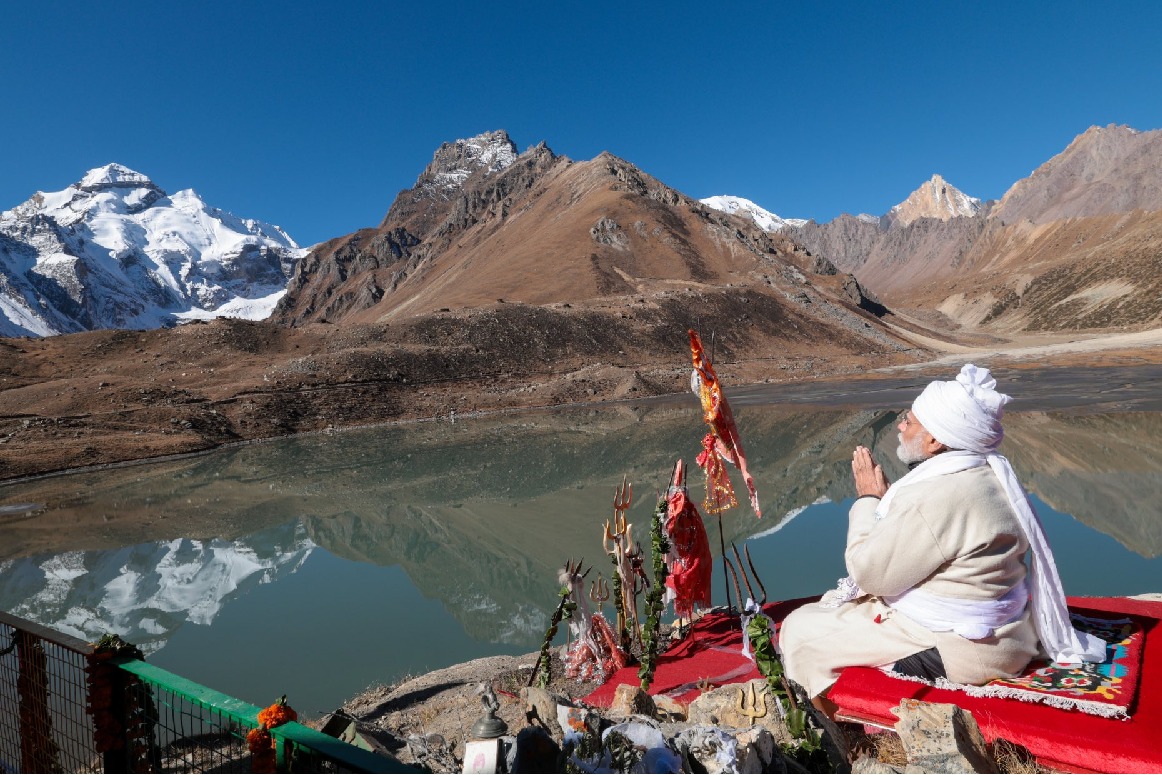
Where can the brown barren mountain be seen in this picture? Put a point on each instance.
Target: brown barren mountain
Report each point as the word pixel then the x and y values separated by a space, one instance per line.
pixel 547 230
pixel 1075 246
pixel 1105 170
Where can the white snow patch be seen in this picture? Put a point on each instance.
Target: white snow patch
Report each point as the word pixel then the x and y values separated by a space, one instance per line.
pixel 764 219
pixel 247 309
pixel 113 175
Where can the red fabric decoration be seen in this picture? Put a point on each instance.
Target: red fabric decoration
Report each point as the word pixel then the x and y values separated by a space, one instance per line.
pixel 690 573
pixel 726 442
pixel 595 656
pixel 719 490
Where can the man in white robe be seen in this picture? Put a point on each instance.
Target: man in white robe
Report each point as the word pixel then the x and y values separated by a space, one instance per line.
pixel 937 584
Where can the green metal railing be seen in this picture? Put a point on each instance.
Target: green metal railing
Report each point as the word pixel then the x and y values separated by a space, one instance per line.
pixel 66 706
pixel 187 711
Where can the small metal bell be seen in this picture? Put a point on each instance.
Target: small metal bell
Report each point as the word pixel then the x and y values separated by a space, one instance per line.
pixel 488 726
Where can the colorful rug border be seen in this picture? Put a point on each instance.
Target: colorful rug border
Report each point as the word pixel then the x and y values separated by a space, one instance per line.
pixel 1102 709
pixel 1130 647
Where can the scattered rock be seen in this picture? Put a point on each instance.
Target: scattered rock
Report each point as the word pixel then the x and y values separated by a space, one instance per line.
pixel 941 737
pixel 740 706
pixel 669 709
pixel 630 700
pixel 536 751
pixel 756 750
pixel 869 765
pixel 541 707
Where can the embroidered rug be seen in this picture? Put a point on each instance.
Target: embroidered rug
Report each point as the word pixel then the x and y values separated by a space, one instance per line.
pixel 1067 740
pixel 1105 689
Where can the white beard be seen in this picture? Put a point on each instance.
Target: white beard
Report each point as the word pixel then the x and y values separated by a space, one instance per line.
pixel 911 453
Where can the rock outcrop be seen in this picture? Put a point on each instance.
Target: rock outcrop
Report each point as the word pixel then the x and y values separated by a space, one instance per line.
pixel 935 198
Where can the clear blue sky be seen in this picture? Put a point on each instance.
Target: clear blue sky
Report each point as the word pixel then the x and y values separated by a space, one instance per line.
pixel 313 116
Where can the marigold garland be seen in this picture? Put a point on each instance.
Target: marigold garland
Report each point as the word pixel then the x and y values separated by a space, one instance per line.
pixel 263 756
pixel 277 714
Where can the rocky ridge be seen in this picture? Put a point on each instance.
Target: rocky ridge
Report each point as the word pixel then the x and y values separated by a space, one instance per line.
pixel 554 234
pixel 1105 170
pixel 1072 247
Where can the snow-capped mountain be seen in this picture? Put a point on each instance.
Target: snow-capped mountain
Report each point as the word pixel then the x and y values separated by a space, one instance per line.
pixel 935 198
pixel 144 593
pixel 115 251
pixel 736 205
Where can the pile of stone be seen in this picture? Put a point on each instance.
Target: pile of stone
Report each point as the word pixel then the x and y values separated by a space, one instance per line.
pixel 734 728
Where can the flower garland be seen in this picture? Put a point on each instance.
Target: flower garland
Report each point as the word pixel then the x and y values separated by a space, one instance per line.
pixel 543 669
pixel 263 755
pixel 128 733
pixel 651 630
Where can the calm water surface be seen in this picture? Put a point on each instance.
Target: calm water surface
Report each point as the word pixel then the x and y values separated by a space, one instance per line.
pixel 318 566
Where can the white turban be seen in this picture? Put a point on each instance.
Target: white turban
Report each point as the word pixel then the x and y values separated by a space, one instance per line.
pixel 964 414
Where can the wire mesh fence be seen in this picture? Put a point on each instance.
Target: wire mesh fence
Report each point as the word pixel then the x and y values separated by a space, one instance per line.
pixel 44 726
pixel 70 706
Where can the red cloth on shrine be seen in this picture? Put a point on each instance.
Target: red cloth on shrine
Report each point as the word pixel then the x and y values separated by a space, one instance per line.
pixel 690 574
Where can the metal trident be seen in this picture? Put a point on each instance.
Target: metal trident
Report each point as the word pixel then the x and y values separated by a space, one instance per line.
pixel 618 543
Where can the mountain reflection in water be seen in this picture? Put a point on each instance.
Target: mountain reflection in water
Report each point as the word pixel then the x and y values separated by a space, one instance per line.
pixel 479 515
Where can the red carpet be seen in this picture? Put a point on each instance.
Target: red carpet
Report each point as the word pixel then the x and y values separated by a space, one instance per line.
pixel 1063 739
pixel 712 653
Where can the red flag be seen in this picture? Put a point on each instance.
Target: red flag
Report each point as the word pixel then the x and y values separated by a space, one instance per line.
pixel 723 442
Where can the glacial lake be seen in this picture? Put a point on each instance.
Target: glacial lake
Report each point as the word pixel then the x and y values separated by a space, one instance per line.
pixel 320 565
